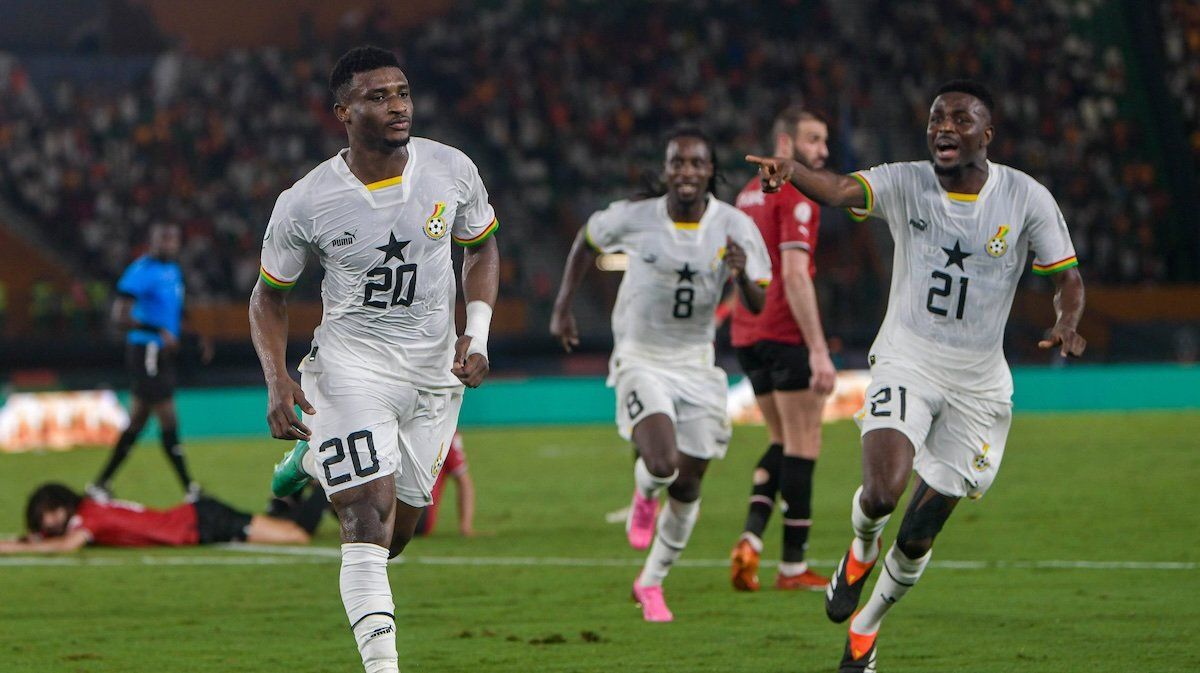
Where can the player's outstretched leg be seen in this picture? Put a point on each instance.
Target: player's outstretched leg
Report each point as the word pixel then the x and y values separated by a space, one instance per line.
pixel 101 489
pixel 845 587
pixel 902 567
pixel 887 464
pixel 743 567
pixel 653 471
pixel 366 515
pixel 675 525
pixel 795 489
pixel 289 476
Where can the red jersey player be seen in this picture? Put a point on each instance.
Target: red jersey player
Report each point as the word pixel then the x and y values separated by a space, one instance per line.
pixel 454 468
pixel 783 352
pixel 60 520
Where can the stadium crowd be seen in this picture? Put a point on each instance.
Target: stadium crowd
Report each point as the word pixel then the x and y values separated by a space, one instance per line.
pixel 564 109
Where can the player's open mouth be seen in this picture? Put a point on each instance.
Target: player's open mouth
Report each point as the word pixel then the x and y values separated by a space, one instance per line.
pixel 945 149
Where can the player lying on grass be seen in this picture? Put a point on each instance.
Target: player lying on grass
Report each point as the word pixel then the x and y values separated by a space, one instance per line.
pixel 61 520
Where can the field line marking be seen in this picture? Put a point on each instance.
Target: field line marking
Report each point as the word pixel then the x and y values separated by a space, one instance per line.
pixel 270 555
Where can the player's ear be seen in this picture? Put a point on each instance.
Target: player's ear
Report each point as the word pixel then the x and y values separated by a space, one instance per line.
pixel 341 112
pixel 988 132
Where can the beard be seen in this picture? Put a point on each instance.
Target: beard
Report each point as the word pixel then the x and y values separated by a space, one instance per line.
pixel 397 144
pixel 948 171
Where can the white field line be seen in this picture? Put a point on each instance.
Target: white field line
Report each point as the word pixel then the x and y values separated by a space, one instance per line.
pixel 254 554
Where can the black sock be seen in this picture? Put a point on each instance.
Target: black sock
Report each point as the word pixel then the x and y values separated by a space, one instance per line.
pixel 795 487
pixel 762 496
pixel 170 442
pixel 119 454
pixel 307 514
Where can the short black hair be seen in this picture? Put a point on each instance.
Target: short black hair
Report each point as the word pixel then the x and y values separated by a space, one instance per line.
pixel 45 498
pixel 971 88
pixel 788 120
pixel 358 59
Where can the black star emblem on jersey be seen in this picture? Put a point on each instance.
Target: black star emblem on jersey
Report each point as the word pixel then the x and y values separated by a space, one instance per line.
pixel 686 274
pixel 393 248
pixel 956 255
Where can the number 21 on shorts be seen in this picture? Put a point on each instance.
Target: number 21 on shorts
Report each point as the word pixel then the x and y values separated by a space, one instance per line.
pixel 881 402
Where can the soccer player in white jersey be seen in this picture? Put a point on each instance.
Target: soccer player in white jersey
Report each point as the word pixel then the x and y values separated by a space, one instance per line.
pixel 940 399
pixel 382 385
pixel 683 246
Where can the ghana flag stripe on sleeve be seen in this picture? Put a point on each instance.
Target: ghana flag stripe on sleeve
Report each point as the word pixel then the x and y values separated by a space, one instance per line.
pixel 860 214
pixel 273 281
pixel 483 235
pixel 1062 265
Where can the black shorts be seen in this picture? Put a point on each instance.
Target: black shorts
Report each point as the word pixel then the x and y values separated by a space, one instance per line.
pixel 152 371
pixel 218 522
pixel 771 366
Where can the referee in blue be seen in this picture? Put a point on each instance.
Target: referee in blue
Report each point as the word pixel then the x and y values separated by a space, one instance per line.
pixel 149 308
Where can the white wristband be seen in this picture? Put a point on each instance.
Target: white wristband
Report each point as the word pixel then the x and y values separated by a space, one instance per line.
pixel 479 323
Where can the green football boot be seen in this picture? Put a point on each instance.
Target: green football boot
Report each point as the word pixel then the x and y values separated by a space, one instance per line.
pixel 289 476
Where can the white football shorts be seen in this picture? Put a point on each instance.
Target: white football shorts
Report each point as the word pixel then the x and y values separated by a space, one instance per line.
pixel 694 400
pixel 364 431
pixel 959 439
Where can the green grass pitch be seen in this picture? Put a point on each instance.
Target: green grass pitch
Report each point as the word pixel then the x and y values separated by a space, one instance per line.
pixel 548 589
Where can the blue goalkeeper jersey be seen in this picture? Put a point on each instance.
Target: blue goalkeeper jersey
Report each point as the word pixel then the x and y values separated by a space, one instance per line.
pixel 156 287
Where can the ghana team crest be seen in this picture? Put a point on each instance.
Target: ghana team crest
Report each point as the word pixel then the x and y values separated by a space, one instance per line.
pixel 981 462
pixel 435 226
pixel 996 245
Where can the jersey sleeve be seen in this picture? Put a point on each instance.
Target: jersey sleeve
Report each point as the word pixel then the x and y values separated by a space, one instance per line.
pixel 475 220
pixel 758 263
pixel 798 219
pixel 133 281
pixel 881 185
pixel 1048 234
pixel 606 229
pixel 285 246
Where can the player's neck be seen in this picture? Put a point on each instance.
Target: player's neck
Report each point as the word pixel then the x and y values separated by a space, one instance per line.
pixel 691 211
pixel 371 164
pixel 968 179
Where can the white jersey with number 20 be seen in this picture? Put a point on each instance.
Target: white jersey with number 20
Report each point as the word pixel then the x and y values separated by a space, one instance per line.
pixel 388 292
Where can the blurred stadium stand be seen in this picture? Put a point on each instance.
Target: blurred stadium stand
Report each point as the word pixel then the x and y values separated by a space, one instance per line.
pixel 137 111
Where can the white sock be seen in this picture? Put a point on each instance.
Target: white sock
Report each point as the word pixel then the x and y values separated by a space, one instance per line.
pixel 899 575
pixel 367 597
pixel 675 524
pixel 309 463
pixel 792 569
pixel 866 531
pixel 755 541
pixel 648 484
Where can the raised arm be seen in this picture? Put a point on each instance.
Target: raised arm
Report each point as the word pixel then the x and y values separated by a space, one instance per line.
pixel 824 187
pixel 481 282
pixel 268 331
pixel 562 321
pixel 1068 306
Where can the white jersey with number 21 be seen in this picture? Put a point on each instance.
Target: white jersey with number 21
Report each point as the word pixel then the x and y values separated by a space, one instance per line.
pixel 957 261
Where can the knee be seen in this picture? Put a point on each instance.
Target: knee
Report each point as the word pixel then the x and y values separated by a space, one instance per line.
pixel 659 463
pixel 363 524
pixel 685 489
pixel 877 502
